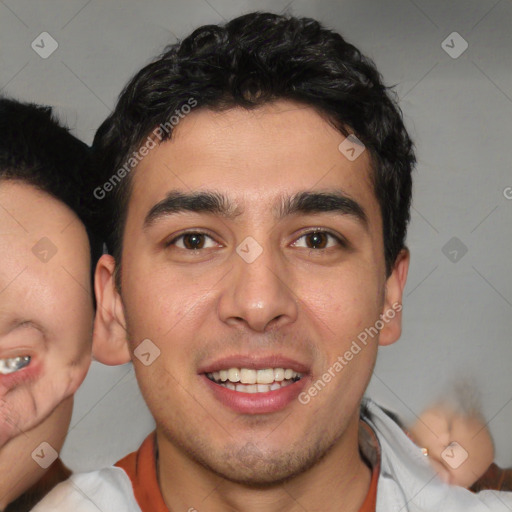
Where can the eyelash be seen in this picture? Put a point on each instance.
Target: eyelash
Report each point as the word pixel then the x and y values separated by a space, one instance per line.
pixel 340 240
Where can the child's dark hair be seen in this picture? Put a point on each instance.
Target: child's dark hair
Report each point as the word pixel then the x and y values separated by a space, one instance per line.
pixel 36 149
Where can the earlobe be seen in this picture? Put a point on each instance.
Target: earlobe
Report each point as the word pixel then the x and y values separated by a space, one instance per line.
pixel 392 311
pixel 110 342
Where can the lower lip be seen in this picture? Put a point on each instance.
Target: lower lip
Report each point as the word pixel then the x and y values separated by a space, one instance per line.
pixel 256 403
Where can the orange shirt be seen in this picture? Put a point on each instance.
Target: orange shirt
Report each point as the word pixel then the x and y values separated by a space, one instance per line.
pixel 140 467
pixel 370 503
pixel 495 478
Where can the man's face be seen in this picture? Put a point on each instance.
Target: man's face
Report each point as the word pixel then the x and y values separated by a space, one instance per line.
pixel 45 306
pixel 258 288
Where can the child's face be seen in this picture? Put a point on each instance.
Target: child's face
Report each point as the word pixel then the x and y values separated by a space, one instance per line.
pixel 46 308
pixel 19 471
pixel 459 448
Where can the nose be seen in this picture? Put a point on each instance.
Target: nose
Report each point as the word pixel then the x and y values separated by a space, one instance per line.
pixel 258 295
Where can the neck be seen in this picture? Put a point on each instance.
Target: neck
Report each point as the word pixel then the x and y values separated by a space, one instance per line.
pixel 340 477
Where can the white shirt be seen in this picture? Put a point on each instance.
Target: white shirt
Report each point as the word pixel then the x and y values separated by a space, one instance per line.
pixel 407 482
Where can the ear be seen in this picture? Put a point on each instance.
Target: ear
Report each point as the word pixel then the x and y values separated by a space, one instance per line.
pixel 392 311
pixel 110 340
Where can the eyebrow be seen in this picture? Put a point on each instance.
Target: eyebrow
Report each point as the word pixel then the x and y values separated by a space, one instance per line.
pixel 218 204
pixel 321 202
pixel 199 202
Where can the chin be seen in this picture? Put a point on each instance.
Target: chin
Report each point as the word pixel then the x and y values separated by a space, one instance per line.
pixel 251 467
pixel 265 474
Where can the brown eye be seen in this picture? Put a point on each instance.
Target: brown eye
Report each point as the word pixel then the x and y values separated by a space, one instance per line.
pixel 193 241
pixel 319 240
pixel 316 240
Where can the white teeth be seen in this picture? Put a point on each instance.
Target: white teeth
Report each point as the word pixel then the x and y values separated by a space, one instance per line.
pixel 234 375
pixel 248 376
pixel 248 380
pixel 278 374
pixel 265 376
pixel 251 388
pixel 13 364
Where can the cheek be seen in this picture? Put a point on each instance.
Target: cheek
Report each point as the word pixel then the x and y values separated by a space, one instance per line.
pixel 344 302
pixel 66 311
pixel 69 310
pixel 342 308
pixel 160 303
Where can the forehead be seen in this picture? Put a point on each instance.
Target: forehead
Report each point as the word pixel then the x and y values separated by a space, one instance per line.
pixel 253 156
pixel 22 203
pixel 29 216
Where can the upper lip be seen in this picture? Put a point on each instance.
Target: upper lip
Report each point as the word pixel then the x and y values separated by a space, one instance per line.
pixel 254 362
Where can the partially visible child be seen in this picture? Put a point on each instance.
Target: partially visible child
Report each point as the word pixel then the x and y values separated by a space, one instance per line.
pixel 46 299
pixel 453 434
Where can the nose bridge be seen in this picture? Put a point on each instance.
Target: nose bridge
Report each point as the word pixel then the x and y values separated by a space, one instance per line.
pixel 259 292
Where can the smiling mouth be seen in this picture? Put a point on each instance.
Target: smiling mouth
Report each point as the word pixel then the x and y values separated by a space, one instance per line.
pixel 13 364
pixel 248 380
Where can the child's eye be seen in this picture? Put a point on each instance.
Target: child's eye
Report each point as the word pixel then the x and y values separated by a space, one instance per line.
pixel 319 240
pixel 13 364
pixel 192 241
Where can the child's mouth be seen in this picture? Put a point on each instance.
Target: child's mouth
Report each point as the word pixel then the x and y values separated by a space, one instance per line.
pixel 13 364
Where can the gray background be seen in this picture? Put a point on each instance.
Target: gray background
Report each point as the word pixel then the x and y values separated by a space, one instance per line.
pixel 457 313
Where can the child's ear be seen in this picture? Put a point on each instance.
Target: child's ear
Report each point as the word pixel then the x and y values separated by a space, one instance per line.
pixel 110 341
pixel 392 311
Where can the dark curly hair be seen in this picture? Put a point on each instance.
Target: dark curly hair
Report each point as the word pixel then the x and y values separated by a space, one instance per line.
pixel 251 60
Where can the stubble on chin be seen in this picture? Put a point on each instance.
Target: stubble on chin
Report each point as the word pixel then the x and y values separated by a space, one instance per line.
pixel 251 465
